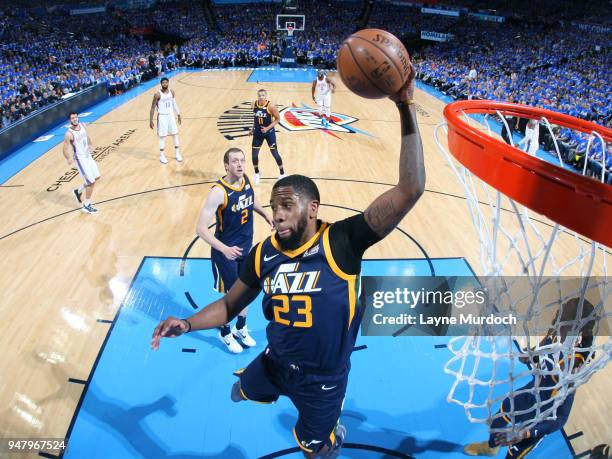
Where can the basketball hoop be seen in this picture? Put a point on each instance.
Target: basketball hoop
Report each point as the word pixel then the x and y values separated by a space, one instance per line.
pixel 505 188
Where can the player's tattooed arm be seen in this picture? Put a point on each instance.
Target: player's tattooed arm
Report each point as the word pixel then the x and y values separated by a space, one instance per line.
pixel 386 212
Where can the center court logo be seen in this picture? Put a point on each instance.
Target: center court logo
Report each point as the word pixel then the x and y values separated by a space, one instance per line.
pixel 236 122
pixel 306 118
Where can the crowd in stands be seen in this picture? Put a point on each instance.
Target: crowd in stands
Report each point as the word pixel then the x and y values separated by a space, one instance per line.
pixel 539 58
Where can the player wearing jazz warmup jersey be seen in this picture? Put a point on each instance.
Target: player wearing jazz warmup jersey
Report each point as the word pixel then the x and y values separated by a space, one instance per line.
pixel 265 118
pixel 164 101
pixel 322 89
pixel 232 201
pixel 77 151
pixel 308 271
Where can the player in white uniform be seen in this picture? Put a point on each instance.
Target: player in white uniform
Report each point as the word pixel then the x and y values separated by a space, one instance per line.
pixel 322 89
pixel 77 151
pixel 166 105
pixel 532 138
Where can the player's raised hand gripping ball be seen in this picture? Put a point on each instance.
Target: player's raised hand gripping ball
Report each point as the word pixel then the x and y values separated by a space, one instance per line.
pixel 373 63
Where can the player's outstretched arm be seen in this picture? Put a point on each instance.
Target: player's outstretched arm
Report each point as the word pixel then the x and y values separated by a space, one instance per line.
pixel 385 213
pixel 214 315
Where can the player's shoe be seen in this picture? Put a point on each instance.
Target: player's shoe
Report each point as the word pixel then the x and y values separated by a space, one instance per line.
pixel 340 434
pixel 77 195
pixel 480 449
pixel 243 335
pixel 322 121
pixel 256 179
pixel 89 209
pixel 162 159
pixel 230 342
pixel 179 158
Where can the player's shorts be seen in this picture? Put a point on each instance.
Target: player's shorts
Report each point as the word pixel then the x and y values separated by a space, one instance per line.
pixel 225 271
pixel 258 138
pixel 317 397
pixel 88 168
pixel 324 100
pixel 166 125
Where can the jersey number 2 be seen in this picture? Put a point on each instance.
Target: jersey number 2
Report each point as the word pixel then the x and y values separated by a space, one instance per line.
pixel 245 216
pixel 281 310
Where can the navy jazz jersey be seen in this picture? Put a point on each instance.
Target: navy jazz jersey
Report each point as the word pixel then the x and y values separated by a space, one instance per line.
pixel 311 294
pixel 261 116
pixel 547 387
pixel 235 216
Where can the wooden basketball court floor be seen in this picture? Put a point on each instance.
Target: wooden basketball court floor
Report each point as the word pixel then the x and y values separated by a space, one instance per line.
pixel 65 274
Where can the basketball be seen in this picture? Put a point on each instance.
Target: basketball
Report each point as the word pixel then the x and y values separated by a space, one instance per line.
pixel 373 63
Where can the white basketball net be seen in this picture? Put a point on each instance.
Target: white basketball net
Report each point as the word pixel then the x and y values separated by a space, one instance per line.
pixel 514 241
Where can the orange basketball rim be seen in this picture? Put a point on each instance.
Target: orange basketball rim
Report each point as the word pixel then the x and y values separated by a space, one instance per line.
pixel 574 201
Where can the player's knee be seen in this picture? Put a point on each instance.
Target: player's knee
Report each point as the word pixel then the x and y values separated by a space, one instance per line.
pixel 236 393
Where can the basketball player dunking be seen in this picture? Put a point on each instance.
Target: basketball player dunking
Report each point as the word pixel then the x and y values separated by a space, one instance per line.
pixel 322 89
pixel 309 273
pixel 232 201
pixel 165 102
pixel 265 119
pixel 77 151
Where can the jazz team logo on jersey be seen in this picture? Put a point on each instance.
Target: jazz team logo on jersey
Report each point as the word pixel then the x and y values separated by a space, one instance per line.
pixel 236 122
pixel 288 280
pixel 244 202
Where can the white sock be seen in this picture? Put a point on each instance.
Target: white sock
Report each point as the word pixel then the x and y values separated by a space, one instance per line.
pixel 87 202
pixel 81 188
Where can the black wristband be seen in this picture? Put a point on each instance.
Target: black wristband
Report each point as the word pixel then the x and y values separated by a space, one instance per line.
pixel 188 324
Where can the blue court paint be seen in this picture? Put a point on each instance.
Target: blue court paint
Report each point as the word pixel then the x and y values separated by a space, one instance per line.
pixel 171 403
pixel 282 75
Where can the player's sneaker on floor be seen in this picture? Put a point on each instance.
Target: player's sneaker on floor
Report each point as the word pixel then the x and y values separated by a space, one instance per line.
pixel 77 195
pixel 162 159
pixel 326 124
pixel 480 449
pixel 89 209
pixel 322 122
pixel 179 158
pixel 256 179
pixel 243 335
pixel 340 434
pixel 232 345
